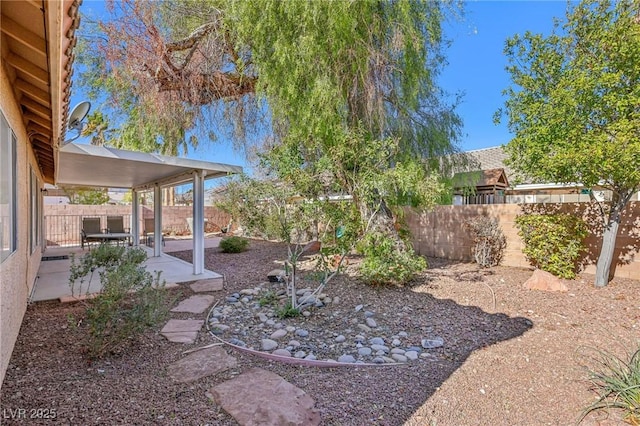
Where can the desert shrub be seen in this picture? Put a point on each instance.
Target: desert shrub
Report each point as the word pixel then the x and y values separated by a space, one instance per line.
pixel 131 300
pixel 383 263
pixel 617 383
pixel 553 242
pixel 287 311
pixel 489 240
pixel 234 245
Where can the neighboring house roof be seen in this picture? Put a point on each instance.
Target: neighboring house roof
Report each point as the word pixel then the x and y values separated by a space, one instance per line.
pixel 38 38
pixel 482 180
pixel 492 158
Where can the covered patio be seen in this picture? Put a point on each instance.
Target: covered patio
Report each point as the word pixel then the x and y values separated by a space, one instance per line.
pixel 97 166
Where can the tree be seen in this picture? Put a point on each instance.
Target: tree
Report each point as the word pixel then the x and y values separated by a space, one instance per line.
pixel 88 196
pixel 337 81
pixel 573 107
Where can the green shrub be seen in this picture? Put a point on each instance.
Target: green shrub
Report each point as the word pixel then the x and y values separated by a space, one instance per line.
pixel 553 242
pixel 617 384
pixel 384 263
pixel 131 300
pixel 489 240
pixel 234 245
pixel 268 298
pixel 287 311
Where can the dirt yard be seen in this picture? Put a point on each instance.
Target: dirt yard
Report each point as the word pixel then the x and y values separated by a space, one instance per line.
pixel 510 356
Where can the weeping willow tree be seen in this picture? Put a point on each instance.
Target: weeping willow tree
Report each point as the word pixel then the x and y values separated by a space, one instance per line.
pixel 339 97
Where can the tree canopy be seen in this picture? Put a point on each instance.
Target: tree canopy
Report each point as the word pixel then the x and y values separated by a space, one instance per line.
pixel 574 106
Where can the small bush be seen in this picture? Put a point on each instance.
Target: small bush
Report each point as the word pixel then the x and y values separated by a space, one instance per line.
pixel 553 242
pixel 268 298
pixel 617 384
pixel 234 245
pixel 489 240
pixel 131 300
pixel 384 263
pixel 287 311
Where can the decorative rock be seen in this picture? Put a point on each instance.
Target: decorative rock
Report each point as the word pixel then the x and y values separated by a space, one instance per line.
pixel 389 360
pixel 380 348
pixel 306 314
pixel 302 332
pixel 300 354
pixel 403 334
pixel 396 342
pixel 231 299
pixel 346 358
pixel 378 360
pixel 368 314
pixel 311 357
pixel 263 318
pixel 268 344
pixel 336 300
pixel 436 342
pixel 340 339
pixel 411 355
pixel 542 280
pixel 290 329
pixel 359 308
pixel 303 291
pixel 359 338
pixel 364 351
pixel 278 334
pixel 398 351
pixel 219 328
pixel 281 352
pixel 237 342
pixel 294 343
pixel 371 322
pixel 264 398
pixel 270 322
pixel 199 364
pixel 377 341
pixel 196 304
pixel 364 328
pixel 399 358
pixel 245 300
pixel 414 348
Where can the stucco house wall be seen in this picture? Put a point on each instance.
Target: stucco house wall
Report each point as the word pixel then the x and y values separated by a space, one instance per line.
pixel 18 272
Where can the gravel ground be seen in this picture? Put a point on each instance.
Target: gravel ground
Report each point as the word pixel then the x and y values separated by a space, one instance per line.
pixel 511 356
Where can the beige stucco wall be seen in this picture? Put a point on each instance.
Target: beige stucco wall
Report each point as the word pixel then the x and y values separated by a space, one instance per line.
pixel 17 272
pixel 441 233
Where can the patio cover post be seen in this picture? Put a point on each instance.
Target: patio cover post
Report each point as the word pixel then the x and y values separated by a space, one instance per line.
pixel 198 222
pixel 157 220
pixel 135 217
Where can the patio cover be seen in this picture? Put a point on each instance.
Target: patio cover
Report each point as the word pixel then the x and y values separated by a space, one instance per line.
pixel 97 166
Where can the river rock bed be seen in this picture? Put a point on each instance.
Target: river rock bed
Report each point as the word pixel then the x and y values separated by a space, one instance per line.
pixel 326 329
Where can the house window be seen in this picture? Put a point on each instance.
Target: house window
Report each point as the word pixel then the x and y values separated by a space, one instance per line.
pixel 34 211
pixel 8 228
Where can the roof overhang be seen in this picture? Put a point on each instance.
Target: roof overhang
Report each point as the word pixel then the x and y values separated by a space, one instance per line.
pixel 97 166
pixel 37 44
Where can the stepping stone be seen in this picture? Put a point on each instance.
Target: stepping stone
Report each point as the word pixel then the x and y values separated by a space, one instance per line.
pixel 212 284
pixel 199 364
pixel 259 397
pixel 195 304
pixel 182 331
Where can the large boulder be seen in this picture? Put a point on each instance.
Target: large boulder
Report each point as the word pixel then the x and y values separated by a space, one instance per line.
pixel 260 397
pixel 542 280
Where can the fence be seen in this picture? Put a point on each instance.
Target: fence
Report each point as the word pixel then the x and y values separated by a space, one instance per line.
pixel 441 233
pixel 63 223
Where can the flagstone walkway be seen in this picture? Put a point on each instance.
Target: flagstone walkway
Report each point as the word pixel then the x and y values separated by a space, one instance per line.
pixel 255 397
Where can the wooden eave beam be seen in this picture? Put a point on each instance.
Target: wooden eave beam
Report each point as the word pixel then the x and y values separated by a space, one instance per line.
pixel 36 93
pixel 44 122
pixel 36 108
pixel 36 128
pixel 28 68
pixel 23 35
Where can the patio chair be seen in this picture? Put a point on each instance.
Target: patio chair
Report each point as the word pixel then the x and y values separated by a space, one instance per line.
pixel 90 226
pixel 149 229
pixel 115 225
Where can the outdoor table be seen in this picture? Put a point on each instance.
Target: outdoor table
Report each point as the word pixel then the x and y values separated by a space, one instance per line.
pixel 111 236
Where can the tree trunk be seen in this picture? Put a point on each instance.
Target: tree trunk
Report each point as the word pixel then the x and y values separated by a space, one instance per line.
pixel 609 237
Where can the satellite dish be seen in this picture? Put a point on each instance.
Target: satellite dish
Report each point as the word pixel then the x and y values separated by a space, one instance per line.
pixel 78 114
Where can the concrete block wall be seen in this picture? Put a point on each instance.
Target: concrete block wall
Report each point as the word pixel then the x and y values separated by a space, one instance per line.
pixel 441 233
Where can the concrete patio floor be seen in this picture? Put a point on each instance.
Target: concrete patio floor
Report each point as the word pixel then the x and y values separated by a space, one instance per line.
pixel 53 275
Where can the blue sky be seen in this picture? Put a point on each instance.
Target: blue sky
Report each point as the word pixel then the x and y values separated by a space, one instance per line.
pixel 476 67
